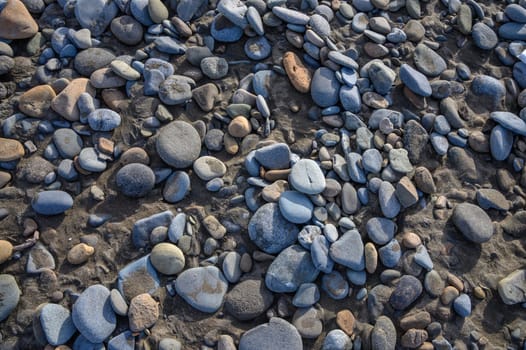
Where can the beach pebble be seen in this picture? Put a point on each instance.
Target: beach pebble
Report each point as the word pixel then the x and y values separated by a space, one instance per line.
pixel 169 343
pixel 291 268
pixel 204 288
pixel 276 334
pixel 118 303
pixel 231 268
pixel 51 202
pixel 484 37
pixel 6 250
pixel 276 156
pixel 428 61
pixel 80 253
pixel 415 81
pixel 65 103
pixel 167 258
pixel 122 341
pixel 214 67
pixel 17 21
pixel 225 31
pixel 10 295
pixel 68 142
pixel 177 186
pixel 176 89
pixel 308 322
pixel 248 299
pixel 488 198
pixel 335 285
pixel 93 315
pixel 11 150
pixel 135 180
pixel 270 231
pixel 178 144
pixel 295 207
pixel 257 48
pixel 390 254
pixel 307 177
pixel 336 339
pixel 104 119
pixel 462 305
pixel 127 30
pixel 472 222
pixel 406 292
pixel 389 204
pixel 138 277
pixel 89 60
pixel 95 15
pixel 325 87
pixel 56 324
pixel 320 254
pixel 89 160
pixel 383 335
pixel 380 230
pixel 208 168
pixel 348 251
pixel 300 77
pixel 509 121
pixel 143 312
pixel 36 102
pixel 485 85
pixel 510 288
pixel 307 295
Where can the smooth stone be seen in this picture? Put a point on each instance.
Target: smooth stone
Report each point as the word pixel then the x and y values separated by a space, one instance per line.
pixel 206 96
pixel 398 158
pixel 308 322
pixel 307 177
pixel 422 258
pixel 239 127
pixel 138 277
pixel 124 70
pixel 415 81
pixel 170 344
pixel 380 230
pixel 139 10
pixel 354 169
pixel 187 9
pixel 104 119
pixel 389 204
pixel 270 231
pixel 204 288
pixel 214 67
pixel 177 186
pixel 65 103
pixel 484 85
pixel 89 160
pixel 350 98
pixel 307 295
pixel 300 77
pixel 248 299
pixel 488 198
pixel 178 144
pixel 348 251
pixel 462 305
pixel 484 37
pixel 80 253
pixel 276 334
pixel 307 235
pixel 51 202
pixel 167 258
pixel 406 292
pixel 501 142
pixel 40 259
pixel 383 335
pixel 10 295
pixel 428 61
pixel 11 150
pixel 118 303
pixel 36 102
pixel 127 30
pixel 335 285
pixel 105 78
pixel 512 31
pixel 295 207
pixel 157 11
pixel 231 269
pixel 143 312
pixel 510 288
pixel 350 203
pixel 325 87
pixel 291 268
pixel 176 89
pixel 381 76
pixel 82 343
pixel 95 15
pixel 290 16
pixel 89 60
pixel 208 168
pixel 276 156
pixel 472 222
pixel 336 339
pixel 57 324
pixel 319 250
pixel 257 48
pixel 390 254
pixel 123 341
pixel 225 31
pixel 93 315
pixel 510 121
pixel 68 142
pixel 17 22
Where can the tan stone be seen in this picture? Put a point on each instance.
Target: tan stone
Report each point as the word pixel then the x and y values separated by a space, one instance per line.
pixel 10 150
pixel 16 21
pixel 114 99
pixel 6 250
pixel 5 177
pixel 272 192
pixel 80 253
pixel 230 143
pixel 455 282
pixel 279 174
pixel 371 257
pixel 143 312
pixel 37 101
pixel 345 320
pixel 300 77
pixel 413 338
pixel 135 155
pixel 448 295
pixel 411 240
pixel 239 127
pixel 65 103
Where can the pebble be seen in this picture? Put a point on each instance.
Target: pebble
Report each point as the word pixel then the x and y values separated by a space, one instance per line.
pixel 214 67
pixel 118 303
pixel 380 230
pixel 178 144
pixel 208 168
pixel 291 268
pixel 80 253
pixel 257 48
pixel 472 222
pixel 307 177
pixel 138 277
pixel 300 77
pixel 295 207
pixel 415 81
pixel 143 312
pixel 135 180
pixel 127 30
pixel 177 186
pixel 176 89
pixel 383 335
pixel 406 292
pixel 93 315
pixel 36 102
pixel 56 324
pixel 488 198
pixel 509 121
pixel 320 254
pixel 462 305
pixel 6 250
pixel 324 87
pixel 335 285
pixel 204 288
pixel 428 61
pixel 10 295
pixel 65 103
pixel 390 253
pixel 276 156
pixel 11 150
pixel 225 31
pixel 170 344
pixel 389 204
pixel 167 258
pixel 308 323
pixel 104 119
pixel 484 37
pixel 51 202
pixel 17 21
pixel 231 268
pixel 510 288
pixel 276 334
pixel 348 251
pixel 123 341
pixel 248 299
pixel 307 295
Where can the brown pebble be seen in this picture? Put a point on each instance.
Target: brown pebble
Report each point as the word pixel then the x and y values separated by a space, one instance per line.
pixel 10 150
pixel 371 257
pixel 65 103
pixel 419 102
pixel 80 253
pixel 426 346
pixel 448 295
pixel 114 99
pixel 274 175
pixel 420 320
pixel 106 146
pixel 413 338
pixel 6 250
pixel 5 177
pixel 300 77
pixel 479 293
pixel 30 226
pixel 411 240
pixel 239 127
pixel 345 320
pixel 36 102
pixel 455 282
pixel 214 227
pixel 135 155
pixel 230 143
pixel 272 192
pixel 57 296
pixel 375 100
pixel 143 312
pixel 17 22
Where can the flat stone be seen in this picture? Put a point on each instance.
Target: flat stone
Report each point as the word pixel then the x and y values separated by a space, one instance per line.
pixel 176 89
pixel 80 253
pixel 389 204
pixel 307 295
pixel 17 22
pixel 484 37
pixel 103 119
pixel 325 87
pixel 11 150
pixel 93 315
pixel 177 186
pixel 348 251
pixel 428 61
pixel 380 230
pixel 415 81
pixel 65 103
pixel 167 258
pixel 511 288
pixel 208 168
pixel 510 121
pixel 178 144
pixel 276 334
pixel 127 30
pixel 336 339
pixel 295 207
pixel 270 231
pixel 472 222
pixel 383 335
pixel 51 202
pixel 248 299
pixel 399 160
pixel 204 288
pixel 406 192
pixel 36 102
pixel 57 324
pixel 138 277
pixel 10 295
pixel 214 67
pixel 488 198
pixel 308 322
pixel 307 177
pixel 95 15
pixel 276 156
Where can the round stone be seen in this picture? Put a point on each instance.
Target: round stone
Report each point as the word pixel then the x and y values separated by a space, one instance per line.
pixel 56 324
pixel 10 295
pixel 68 142
pixel 135 180
pixel 167 258
pixel 257 48
pixel 80 253
pixel 239 127
pixel 295 207
pixel 178 144
pixel 214 67
pixel 51 202
pixel 307 177
pixel 104 119
pixel 6 250
pixel 276 334
pixel 473 222
pixel 383 335
pixel 406 292
pixel 127 30
pixel 89 160
pixel 177 187
pixel 36 102
pixel 325 87
pixel 208 168
pixel 248 299
pixel 11 150
pixel 204 288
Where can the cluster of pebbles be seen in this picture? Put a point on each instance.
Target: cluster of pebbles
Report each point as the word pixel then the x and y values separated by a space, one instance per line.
pixel 332 174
